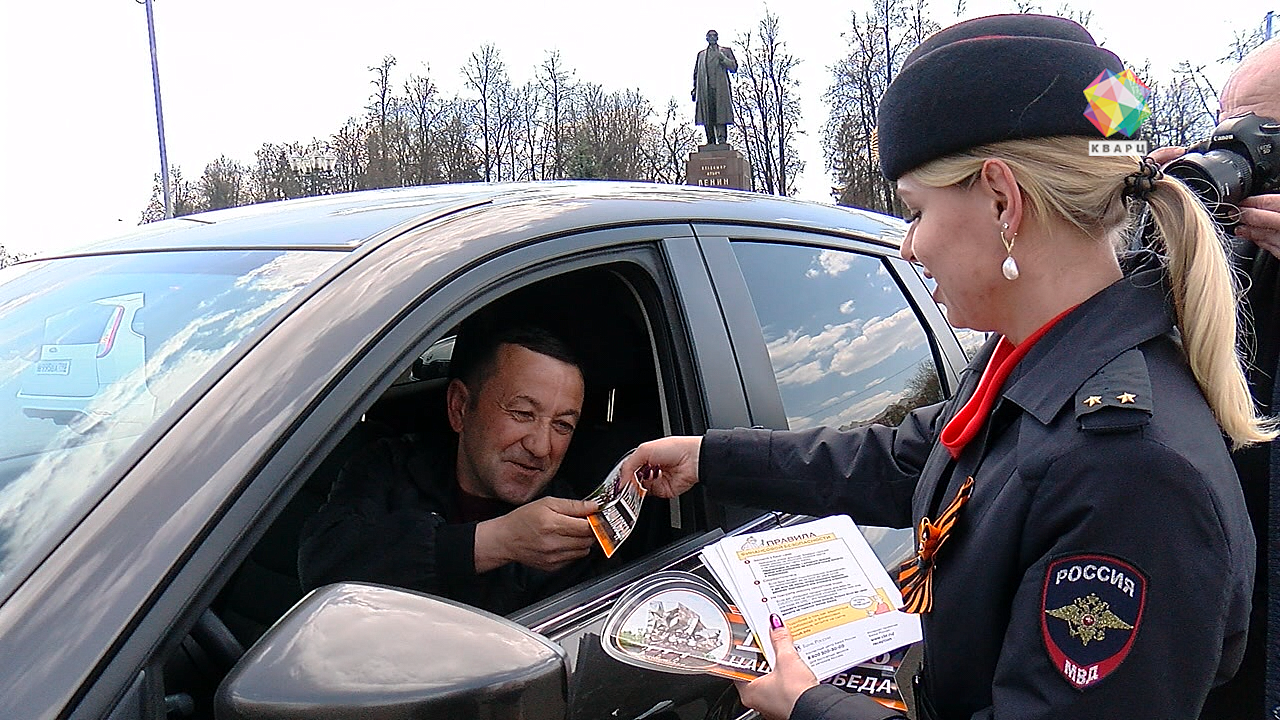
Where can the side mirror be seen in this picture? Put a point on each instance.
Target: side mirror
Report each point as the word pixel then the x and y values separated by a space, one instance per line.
pixel 364 651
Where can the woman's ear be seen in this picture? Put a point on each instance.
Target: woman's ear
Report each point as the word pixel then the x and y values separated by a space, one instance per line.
pixel 997 180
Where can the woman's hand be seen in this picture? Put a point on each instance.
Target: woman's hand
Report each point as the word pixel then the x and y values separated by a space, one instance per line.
pixel 666 467
pixel 774 695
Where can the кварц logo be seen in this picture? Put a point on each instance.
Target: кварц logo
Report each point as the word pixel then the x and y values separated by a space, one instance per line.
pixel 1117 103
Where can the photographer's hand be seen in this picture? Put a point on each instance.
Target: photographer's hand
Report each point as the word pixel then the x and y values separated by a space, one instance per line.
pixel 1167 154
pixel 1260 222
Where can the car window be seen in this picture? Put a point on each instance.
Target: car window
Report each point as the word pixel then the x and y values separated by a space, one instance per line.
pixel 846 346
pixel 86 366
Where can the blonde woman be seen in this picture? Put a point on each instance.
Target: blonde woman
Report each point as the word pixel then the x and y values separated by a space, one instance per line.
pixel 1083 549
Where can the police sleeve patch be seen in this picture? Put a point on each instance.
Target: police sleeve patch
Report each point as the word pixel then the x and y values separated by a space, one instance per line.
pixel 1090 612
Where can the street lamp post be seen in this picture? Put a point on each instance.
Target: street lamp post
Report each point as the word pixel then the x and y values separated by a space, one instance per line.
pixel 155 84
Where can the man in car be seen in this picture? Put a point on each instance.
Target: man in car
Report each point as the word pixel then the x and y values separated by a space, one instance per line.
pixel 478 516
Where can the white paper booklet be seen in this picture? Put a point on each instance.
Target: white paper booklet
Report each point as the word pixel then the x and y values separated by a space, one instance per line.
pixel 827 585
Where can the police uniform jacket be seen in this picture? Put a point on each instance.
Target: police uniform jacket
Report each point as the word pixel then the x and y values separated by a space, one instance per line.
pixel 1102 567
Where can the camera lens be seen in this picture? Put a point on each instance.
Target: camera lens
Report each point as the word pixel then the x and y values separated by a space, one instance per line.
pixel 1219 177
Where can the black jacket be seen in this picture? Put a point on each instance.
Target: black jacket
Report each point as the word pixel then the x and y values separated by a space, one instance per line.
pixel 392 518
pixel 1131 502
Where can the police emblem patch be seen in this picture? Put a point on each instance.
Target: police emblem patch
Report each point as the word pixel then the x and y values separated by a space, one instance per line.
pixel 1091 609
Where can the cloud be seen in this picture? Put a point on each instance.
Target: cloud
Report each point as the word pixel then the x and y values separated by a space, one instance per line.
pixel 880 339
pixel 794 349
pixel 831 262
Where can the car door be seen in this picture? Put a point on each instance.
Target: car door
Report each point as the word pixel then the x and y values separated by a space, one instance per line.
pixel 758 289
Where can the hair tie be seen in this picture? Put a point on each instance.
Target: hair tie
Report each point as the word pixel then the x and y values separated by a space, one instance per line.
pixel 1140 184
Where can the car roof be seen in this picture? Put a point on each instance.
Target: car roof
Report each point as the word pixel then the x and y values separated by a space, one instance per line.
pixel 346 221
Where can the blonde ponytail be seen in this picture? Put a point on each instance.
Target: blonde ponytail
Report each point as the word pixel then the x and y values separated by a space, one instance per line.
pixel 1205 300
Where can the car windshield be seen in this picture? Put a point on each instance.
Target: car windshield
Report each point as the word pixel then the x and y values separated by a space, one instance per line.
pixel 95 350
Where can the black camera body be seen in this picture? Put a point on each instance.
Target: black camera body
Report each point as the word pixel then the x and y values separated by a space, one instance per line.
pixel 1240 159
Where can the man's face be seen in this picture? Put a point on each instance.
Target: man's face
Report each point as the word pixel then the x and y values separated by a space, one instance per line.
pixel 713 38
pixel 514 429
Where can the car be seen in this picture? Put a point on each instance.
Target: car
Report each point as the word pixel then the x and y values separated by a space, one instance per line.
pixel 148 556
pixel 89 352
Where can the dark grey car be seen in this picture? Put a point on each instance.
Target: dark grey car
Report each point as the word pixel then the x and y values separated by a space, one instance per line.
pixel 141 560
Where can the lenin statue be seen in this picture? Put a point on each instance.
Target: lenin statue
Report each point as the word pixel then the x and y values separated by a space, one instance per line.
pixel 714 107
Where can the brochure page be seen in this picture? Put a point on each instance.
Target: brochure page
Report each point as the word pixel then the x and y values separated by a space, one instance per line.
pixel 825 582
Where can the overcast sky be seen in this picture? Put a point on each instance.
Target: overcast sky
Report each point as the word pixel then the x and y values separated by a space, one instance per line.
pixel 79 145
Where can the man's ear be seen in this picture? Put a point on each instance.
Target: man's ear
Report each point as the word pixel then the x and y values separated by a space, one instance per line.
pixel 998 182
pixel 458 399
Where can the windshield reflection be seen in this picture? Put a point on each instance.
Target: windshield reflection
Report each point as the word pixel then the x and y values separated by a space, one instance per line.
pixel 96 350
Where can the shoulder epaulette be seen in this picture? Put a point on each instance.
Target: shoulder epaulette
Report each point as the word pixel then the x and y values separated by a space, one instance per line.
pixel 1117 398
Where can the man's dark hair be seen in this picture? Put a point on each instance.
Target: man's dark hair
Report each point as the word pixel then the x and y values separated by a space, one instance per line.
pixel 475 351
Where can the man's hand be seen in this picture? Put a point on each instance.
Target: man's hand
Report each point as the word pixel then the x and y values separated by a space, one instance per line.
pixel 774 695
pixel 1260 222
pixel 546 534
pixel 668 466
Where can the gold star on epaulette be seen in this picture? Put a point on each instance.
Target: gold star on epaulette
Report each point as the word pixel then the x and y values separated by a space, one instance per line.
pixel 1126 398
pixel 1093 400
pixel 1089 618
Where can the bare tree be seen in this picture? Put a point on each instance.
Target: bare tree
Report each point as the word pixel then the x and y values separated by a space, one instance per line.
pixel 767 107
pixel 8 258
pixel 225 183
pixel 609 132
pixel 879 42
pixel 182 195
pixel 456 143
pixel 425 111
pixel 1180 113
pixel 556 83
pixel 381 115
pixel 486 74
pixel 671 143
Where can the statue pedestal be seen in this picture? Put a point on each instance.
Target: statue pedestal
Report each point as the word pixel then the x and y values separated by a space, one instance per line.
pixel 718 166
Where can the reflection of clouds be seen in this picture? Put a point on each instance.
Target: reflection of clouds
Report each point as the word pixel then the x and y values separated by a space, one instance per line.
pixel 846 307
pixel 846 349
pixel 862 410
pixel 34 500
pixel 32 504
pixel 805 374
pixel 11 368
pixel 880 339
pixel 831 262
pixel 331 652
pixel 793 348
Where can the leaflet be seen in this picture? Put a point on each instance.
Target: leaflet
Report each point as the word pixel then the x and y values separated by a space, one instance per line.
pixel 825 582
pixel 619 500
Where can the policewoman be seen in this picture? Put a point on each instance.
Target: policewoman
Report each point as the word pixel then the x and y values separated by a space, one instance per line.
pixel 1082 546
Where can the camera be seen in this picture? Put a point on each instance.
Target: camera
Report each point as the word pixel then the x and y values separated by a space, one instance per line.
pixel 1240 159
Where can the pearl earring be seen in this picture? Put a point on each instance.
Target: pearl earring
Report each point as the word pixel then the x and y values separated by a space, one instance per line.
pixel 1010 266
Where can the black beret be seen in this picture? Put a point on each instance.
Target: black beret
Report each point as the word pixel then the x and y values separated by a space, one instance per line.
pixel 1001 77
